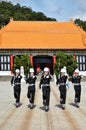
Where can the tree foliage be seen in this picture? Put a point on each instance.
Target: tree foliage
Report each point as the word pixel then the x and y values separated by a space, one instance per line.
pixel 22 60
pixel 81 23
pixel 18 12
pixel 63 59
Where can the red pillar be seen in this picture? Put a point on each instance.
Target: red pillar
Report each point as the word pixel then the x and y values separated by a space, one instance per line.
pixel 31 59
pixel 74 56
pixel 11 62
pixel 54 59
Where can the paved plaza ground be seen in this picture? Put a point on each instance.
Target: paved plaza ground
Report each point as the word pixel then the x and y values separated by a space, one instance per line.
pixel 23 118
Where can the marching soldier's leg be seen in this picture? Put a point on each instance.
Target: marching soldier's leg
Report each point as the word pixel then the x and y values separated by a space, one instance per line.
pixel 61 95
pixel 47 101
pixel 19 93
pixel 44 97
pixel 31 96
pixel 78 95
pixel 18 97
pixel 64 98
pixel 60 90
pixel 61 98
pixel 17 103
pixel 32 99
pixel 28 93
pixel 15 95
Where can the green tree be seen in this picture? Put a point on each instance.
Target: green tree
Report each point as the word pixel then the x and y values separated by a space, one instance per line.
pixel 18 12
pixel 22 60
pixel 63 59
pixel 25 61
pixel 80 23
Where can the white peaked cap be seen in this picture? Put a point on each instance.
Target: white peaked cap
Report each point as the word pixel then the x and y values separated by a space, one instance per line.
pixel 64 67
pixel 76 71
pixel 31 70
pixel 17 71
pixel 46 69
pixel 63 70
pixel 22 67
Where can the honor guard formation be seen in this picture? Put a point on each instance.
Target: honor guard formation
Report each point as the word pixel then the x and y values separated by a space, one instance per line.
pixel 62 83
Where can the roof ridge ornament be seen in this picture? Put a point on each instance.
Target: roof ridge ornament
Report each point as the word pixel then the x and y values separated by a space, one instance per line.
pixel 11 19
pixel 71 20
pixel 85 40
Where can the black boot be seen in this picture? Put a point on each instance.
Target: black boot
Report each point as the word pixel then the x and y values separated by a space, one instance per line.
pixel 31 106
pixel 44 102
pixel 46 108
pixel 63 106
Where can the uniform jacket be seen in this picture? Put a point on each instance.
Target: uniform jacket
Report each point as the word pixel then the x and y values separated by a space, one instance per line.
pixel 45 80
pixel 76 79
pixel 31 82
pixel 16 80
pixel 62 80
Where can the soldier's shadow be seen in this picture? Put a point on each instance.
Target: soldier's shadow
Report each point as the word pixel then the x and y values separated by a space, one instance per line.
pixel 29 106
pixel 72 104
pixel 42 108
pixel 59 106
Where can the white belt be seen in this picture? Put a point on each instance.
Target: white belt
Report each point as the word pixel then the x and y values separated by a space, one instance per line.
pixel 31 84
pixel 45 84
pixel 62 83
pixel 17 83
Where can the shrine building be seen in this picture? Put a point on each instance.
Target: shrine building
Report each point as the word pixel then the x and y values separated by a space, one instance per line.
pixel 41 40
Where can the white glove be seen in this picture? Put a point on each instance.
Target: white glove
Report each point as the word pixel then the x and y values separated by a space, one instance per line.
pixel 12 85
pixel 67 86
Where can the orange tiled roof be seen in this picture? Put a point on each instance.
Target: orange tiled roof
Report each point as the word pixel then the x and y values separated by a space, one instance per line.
pixel 42 35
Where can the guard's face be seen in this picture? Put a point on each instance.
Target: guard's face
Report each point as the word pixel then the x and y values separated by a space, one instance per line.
pixel 76 74
pixel 46 73
pixel 17 73
pixel 62 73
pixel 31 73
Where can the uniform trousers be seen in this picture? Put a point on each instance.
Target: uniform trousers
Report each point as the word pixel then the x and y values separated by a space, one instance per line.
pixel 17 91
pixel 31 93
pixel 46 94
pixel 77 89
pixel 62 90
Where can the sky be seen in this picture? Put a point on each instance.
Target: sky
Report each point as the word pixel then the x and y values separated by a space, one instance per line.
pixel 61 10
